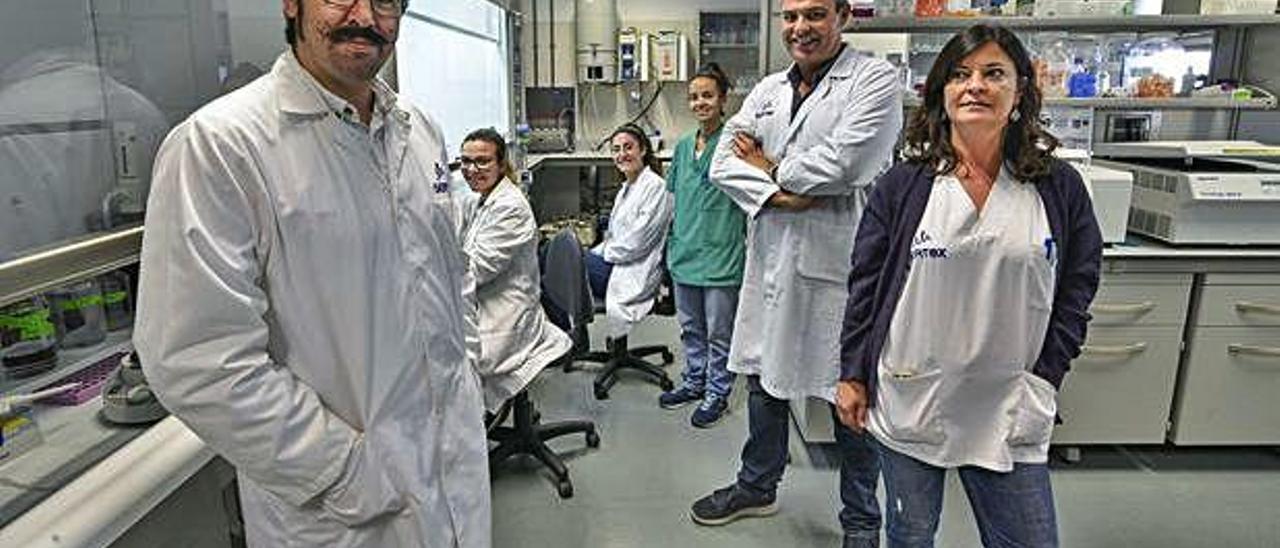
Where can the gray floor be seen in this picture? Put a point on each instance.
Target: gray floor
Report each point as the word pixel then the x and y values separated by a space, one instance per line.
pixel 635 490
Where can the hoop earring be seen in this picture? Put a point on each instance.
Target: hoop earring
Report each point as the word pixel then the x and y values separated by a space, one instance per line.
pixel 1015 116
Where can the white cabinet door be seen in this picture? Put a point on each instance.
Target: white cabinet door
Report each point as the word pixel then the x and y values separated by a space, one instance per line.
pixel 1120 389
pixel 1230 390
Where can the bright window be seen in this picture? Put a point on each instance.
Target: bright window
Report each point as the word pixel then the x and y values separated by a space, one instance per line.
pixel 452 62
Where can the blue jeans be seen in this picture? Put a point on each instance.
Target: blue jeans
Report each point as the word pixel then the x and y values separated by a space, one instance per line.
pixel 706 327
pixel 598 271
pixel 1013 509
pixel 764 457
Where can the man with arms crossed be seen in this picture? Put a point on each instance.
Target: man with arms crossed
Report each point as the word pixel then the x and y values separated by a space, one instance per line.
pixel 798 158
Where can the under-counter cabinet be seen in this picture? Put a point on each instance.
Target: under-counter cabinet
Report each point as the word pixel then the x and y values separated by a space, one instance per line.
pixel 1229 392
pixel 1120 389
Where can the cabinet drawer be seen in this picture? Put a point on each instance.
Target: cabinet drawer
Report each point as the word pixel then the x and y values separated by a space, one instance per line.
pixel 1120 388
pixel 1239 305
pixel 1229 388
pixel 1141 300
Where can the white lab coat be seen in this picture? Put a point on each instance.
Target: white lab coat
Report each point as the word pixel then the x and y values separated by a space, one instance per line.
pixel 517 340
pixel 794 286
pixel 57 112
pixel 638 226
pixel 954 377
pixel 302 309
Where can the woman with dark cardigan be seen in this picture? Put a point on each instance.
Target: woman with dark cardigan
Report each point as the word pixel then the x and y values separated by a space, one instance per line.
pixel 973 269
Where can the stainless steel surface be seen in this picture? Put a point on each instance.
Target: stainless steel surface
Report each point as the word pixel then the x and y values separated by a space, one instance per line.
pixel 46 270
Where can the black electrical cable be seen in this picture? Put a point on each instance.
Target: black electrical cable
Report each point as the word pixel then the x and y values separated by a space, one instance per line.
pixel 656 93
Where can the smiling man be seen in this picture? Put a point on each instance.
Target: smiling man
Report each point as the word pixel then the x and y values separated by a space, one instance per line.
pixel 302 296
pixel 807 144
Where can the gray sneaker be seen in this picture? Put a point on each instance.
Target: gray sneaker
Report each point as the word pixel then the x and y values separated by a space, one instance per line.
pixel 728 504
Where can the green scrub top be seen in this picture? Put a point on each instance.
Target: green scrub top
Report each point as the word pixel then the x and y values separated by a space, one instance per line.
pixel 707 246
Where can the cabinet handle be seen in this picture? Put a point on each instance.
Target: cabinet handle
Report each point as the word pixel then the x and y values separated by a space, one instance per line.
pixel 1245 307
pixel 1251 350
pixel 1137 308
pixel 1126 350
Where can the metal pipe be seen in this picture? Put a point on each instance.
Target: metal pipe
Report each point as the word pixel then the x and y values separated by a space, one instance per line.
pixel 536 53
pixel 551 36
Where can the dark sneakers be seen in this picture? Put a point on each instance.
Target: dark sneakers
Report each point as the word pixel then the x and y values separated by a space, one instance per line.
pixel 709 412
pixel 679 397
pixel 728 504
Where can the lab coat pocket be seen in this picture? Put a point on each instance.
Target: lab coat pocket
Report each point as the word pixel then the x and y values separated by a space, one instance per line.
pixel 911 406
pixel 363 492
pixel 825 263
pixel 1037 405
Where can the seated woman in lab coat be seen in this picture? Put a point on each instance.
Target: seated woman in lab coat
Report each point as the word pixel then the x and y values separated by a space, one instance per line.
pixel 516 339
pixel 973 269
pixel 626 268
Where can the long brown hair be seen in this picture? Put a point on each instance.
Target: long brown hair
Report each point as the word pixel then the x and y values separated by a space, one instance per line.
pixel 650 158
pixel 1028 148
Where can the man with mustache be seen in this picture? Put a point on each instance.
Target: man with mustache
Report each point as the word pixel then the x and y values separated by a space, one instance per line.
pixel 302 297
pixel 807 144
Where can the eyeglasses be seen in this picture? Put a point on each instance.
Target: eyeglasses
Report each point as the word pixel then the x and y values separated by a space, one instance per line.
pixel 476 163
pixel 386 8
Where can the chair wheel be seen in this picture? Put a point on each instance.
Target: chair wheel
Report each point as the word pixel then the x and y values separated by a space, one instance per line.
pixel 566 489
pixel 593 439
pixel 668 357
pixel 667 385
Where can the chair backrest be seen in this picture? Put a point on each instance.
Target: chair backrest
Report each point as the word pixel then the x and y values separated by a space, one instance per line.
pixel 564 280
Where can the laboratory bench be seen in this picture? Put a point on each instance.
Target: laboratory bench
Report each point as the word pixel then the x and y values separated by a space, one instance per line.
pixel 1183 348
pixel 90 483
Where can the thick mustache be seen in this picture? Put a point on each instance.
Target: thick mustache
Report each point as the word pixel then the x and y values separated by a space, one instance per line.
pixel 347 34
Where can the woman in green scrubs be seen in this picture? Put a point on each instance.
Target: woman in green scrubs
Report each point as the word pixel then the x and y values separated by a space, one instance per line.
pixel 705 254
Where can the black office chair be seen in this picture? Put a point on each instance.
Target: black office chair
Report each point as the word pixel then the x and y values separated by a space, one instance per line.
pixel 618 357
pixel 527 435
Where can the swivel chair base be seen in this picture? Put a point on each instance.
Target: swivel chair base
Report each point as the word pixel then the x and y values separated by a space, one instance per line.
pixel 527 437
pixel 619 357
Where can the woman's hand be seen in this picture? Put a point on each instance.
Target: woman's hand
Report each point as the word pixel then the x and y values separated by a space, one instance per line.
pixel 748 150
pixel 851 404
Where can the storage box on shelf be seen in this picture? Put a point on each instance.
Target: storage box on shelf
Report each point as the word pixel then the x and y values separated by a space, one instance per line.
pixel 1231 378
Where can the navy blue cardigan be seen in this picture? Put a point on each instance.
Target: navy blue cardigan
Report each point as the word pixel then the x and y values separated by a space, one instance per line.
pixel 881 259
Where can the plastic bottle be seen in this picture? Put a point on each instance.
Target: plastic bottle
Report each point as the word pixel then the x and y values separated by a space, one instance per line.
pixel 1083 81
pixel 81 320
pixel 1052 72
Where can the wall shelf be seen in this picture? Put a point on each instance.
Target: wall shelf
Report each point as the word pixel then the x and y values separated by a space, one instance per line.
pixel 1136 103
pixel 1094 23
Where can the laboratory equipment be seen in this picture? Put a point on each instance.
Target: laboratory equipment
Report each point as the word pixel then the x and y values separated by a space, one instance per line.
pixel 629 55
pixel 28 338
pixel 1155 63
pixel 1111 191
pixel 126 202
pixel 116 302
pixel 78 313
pixel 597 38
pixel 1200 192
pixel 1052 65
pixel 668 57
pixel 551 118
pixel 127 398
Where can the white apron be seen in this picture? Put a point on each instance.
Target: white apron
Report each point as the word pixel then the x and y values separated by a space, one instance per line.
pixel 955 382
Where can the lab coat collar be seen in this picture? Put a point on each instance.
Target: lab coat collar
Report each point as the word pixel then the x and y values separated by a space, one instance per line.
pixel 301 93
pixel 840 70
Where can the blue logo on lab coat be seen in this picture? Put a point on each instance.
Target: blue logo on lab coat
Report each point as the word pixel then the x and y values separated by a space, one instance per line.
pixel 442 179
pixel 921 250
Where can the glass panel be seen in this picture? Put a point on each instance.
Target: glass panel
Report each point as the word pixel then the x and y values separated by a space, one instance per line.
pixel 437 57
